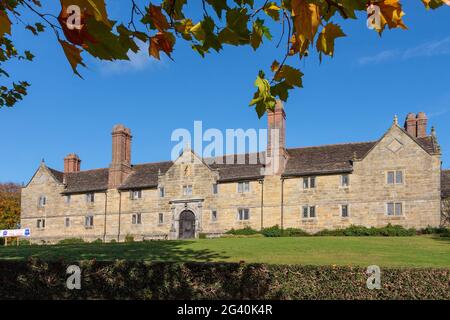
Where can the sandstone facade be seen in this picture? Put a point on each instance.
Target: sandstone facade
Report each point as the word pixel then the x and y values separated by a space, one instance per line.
pixel 396 179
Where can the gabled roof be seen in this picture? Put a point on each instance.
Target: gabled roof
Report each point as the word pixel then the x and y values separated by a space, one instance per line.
pixel 145 175
pixel 326 159
pixel 86 181
pixel 445 183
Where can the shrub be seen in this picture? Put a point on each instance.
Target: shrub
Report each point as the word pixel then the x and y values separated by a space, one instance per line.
pixel 256 235
pixel 294 232
pixel 129 238
pixel 97 241
pixel 202 236
pixel 71 241
pixel 243 232
pixel 434 230
pixel 109 280
pixel 113 241
pixel 274 231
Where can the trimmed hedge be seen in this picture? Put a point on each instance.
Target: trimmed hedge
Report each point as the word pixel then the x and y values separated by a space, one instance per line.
pixel 140 280
pixel 352 231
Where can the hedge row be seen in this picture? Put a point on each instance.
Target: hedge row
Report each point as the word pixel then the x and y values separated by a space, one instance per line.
pixel 354 231
pixel 140 280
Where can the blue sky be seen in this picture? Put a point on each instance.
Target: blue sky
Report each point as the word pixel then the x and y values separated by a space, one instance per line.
pixel 352 97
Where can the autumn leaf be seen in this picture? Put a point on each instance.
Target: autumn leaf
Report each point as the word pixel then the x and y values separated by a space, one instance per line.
pixel 391 14
pixel 73 55
pixel 162 41
pixel 157 18
pixel 434 4
pixel 307 19
pixel 272 10
pixel 5 23
pixel 325 42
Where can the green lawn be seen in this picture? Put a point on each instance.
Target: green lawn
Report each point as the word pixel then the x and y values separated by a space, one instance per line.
pixel 420 251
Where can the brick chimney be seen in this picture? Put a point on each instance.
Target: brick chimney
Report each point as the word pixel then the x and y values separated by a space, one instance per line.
pixel 120 166
pixel 411 124
pixel 72 163
pixel 276 155
pixel 422 123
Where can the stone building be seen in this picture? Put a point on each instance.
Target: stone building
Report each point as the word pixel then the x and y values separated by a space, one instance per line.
pixel 395 179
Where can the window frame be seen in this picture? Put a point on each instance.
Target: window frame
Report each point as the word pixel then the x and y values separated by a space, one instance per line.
pixel 40 224
pixel 42 201
pixel 394 206
pixel 347 210
pixel 243 214
pixel 214 215
pixel 136 194
pixel 67 222
pixel 162 191
pixel 90 197
pixel 136 218
pixel 343 178
pixel 68 199
pixel 395 174
pixel 160 218
pixel 309 183
pixel 215 188
pixel 187 190
pixel 243 187
pixel 308 209
pixel 89 218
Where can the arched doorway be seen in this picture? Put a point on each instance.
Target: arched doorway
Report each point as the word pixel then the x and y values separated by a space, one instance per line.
pixel 187 225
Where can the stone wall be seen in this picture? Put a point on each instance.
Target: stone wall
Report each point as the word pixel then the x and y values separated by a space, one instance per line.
pixel 367 197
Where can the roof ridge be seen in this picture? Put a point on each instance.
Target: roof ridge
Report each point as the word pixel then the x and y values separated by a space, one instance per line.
pixel 90 170
pixel 332 145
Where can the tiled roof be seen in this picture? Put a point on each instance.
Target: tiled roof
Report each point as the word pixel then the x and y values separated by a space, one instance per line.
pixel 445 183
pixel 145 175
pixel 87 181
pixel 327 159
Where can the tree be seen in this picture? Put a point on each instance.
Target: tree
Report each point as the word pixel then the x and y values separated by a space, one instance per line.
pixel 84 27
pixel 9 205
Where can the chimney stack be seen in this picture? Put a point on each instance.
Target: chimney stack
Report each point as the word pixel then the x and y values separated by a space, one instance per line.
pixel 276 155
pixel 422 123
pixel 72 163
pixel 411 124
pixel 416 126
pixel 121 156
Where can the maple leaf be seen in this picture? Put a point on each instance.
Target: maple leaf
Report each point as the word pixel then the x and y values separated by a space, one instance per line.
pixel 162 41
pixel 5 23
pixel 391 15
pixel 262 99
pixel 325 42
pixel 157 18
pixel 73 55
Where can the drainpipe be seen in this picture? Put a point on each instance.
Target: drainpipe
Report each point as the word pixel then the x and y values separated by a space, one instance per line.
pixel 104 225
pixel 261 182
pixel 282 203
pixel 120 211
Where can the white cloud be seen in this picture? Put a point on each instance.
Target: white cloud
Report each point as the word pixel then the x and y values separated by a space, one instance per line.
pixel 138 62
pixel 429 49
pixel 380 57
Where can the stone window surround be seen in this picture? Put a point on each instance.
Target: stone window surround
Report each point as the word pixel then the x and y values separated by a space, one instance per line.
pixel 67 222
pixel 136 194
pixel 161 191
pixel 341 178
pixel 89 224
pixel 136 219
pixel 41 224
pixel 161 219
pixel 395 203
pixel 244 189
pixel 307 180
pixel 187 190
pixel 90 198
pixel 42 201
pixel 386 180
pixel 238 216
pixel 348 210
pixel 215 188
pixel 214 219
pixel 309 218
